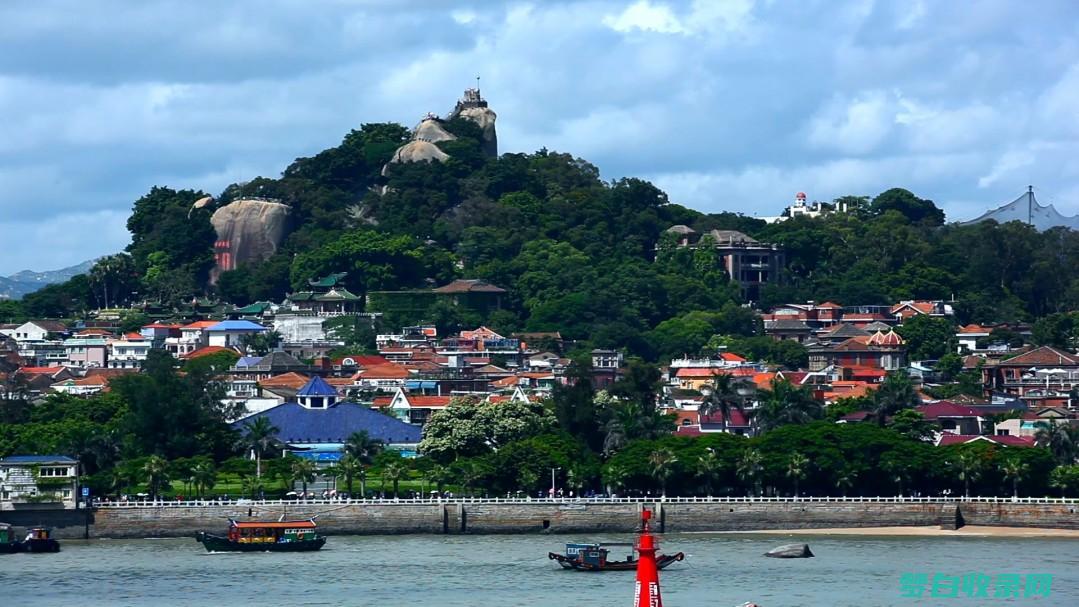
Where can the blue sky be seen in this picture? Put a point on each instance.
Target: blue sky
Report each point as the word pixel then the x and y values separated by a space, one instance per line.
pixel 726 105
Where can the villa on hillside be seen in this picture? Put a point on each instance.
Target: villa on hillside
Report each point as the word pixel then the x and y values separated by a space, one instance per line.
pixel 749 263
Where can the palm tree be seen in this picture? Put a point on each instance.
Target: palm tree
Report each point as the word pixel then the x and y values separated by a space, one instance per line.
pixel 796 469
pixel 844 480
pixel 968 467
pixel 896 393
pixel 438 475
pixel 614 476
pixel 302 471
pixel 393 472
pixel 156 471
pixel 1014 470
pixel 785 404
pixel 349 466
pixel 750 466
pixel 708 467
pixel 662 462
pixel 259 437
pixel 203 477
pixel 364 449
pixel 723 395
pixel 898 469
pixel 1058 439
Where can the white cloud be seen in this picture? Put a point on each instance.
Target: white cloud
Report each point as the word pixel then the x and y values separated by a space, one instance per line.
pixel 729 104
pixel 647 17
pixel 854 126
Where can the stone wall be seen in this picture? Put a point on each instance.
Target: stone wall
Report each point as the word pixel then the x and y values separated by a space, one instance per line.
pixel 539 517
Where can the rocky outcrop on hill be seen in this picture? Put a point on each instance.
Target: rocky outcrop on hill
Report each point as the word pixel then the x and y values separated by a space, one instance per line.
pixel 472 106
pixel 248 231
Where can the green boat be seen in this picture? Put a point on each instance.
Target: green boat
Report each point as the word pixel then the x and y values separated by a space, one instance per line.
pixel 253 536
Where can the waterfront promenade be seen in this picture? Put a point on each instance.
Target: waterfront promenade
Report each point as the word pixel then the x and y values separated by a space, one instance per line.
pixel 536 516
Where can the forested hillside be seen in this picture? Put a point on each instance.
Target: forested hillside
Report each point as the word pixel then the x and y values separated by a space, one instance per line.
pixel 576 253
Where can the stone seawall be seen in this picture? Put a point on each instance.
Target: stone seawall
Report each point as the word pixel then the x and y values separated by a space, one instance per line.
pixel 546 517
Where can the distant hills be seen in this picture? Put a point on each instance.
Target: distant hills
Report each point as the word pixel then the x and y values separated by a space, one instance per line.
pixel 28 281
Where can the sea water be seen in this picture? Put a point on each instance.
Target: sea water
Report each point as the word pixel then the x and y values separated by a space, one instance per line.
pixel 720 570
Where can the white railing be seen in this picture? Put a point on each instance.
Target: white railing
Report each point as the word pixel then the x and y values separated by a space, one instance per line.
pixel 582 500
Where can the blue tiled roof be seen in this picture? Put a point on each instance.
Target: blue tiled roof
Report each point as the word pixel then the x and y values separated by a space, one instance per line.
pixel 297 424
pixel 316 386
pixel 37 459
pixel 248 361
pixel 236 325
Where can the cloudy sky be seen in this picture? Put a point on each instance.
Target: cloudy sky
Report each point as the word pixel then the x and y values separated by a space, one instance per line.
pixel 727 105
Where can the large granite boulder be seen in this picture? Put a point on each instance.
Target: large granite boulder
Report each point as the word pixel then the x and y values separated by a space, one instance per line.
pixel 248 231
pixel 431 129
pixel 484 117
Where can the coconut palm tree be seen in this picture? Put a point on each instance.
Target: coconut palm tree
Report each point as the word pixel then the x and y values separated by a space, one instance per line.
pixel 349 466
pixel 708 467
pixel 662 462
pixel 156 471
pixel 259 436
pixel 614 475
pixel 1058 439
pixel 394 472
pixel 438 476
pixel 364 449
pixel 968 467
pixel 796 469
pixel 785 404
pixel 896 393
pixel 897 468
pixel 723 395
pixel 844 480
pixel 302 471
pixel 749 468
pixel 203 477
pixel 1014 470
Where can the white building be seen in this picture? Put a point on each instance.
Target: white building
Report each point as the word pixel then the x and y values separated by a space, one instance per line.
pixel 30 482
pixel 231 333
pixel 129 352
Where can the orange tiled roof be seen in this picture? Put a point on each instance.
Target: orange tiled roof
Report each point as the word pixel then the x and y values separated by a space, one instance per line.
pixel 201 324
pixel 285 380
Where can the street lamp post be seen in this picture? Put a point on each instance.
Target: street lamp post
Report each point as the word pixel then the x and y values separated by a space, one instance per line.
pixel 552 481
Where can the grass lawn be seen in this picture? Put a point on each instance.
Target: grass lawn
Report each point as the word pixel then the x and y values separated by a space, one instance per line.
pixel 233 486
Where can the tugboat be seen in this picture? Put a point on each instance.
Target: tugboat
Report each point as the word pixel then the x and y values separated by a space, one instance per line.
pixel 254 536
pixel 39 540
pixel 8 545
pixel 593 557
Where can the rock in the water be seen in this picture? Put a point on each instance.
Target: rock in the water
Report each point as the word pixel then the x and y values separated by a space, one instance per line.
pixel 248 231
pixel 790 551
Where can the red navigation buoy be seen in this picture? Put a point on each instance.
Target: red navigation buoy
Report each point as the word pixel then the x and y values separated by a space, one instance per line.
pixel 647 591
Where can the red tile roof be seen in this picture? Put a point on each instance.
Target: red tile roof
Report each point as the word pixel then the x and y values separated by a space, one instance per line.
pixel 428 401
pixel 206 351
pixel 973 328
pixel 1042 356
pixel 731 357
pixel 946 409
pixel 738 419
pixel 386 371
pixel 40 370
pixel 285 380
pixel 362 360
pixel 202 324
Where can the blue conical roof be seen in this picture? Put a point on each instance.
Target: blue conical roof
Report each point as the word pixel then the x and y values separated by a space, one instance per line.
pixel 317 386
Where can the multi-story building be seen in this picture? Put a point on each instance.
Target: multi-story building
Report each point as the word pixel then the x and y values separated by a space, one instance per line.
pixel 749 263
pixel 37 482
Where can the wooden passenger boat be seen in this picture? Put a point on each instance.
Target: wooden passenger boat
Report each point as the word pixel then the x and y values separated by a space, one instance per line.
pixel 594 557
pixel 258 536
pixel 8 545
